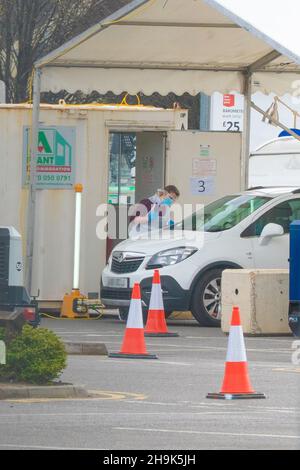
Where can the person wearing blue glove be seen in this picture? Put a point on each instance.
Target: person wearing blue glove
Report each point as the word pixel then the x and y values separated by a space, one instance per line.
pixel 155 211
pixel 159 217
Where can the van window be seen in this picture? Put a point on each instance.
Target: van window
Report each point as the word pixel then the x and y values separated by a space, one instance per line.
pixel 283 214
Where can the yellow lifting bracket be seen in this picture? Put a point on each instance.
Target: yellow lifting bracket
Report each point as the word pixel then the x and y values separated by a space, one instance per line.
pixel 124 100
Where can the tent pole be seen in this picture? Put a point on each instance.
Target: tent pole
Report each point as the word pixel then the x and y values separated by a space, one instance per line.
pixel 275 121
pixel 32 183
pixel 246 129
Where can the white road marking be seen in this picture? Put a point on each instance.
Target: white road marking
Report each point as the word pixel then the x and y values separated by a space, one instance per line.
pixel 210 405
pixel 247 338
pixel 211 433
pixel 123 413
pixel 17 446
pixel 290 370
pixel 69 333
pixel 230 403
pixel 151 343
pixel 216 348
pixel 148 362
pixel 206 348
pixel 96 335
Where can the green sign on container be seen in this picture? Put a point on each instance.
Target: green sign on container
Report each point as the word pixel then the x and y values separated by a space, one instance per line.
pixel 55 164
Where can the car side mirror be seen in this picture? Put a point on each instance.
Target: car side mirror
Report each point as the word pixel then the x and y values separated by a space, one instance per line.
pixel 270 231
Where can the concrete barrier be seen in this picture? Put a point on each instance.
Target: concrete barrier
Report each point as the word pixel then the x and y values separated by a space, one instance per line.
pixel 261 295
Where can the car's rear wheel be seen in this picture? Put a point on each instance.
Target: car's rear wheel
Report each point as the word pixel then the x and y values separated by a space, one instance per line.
pixel 206 300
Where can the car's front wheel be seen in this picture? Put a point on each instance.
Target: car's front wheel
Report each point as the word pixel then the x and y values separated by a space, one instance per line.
pixel 206 299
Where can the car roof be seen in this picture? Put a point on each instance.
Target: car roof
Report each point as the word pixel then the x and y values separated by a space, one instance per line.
pixel 273 191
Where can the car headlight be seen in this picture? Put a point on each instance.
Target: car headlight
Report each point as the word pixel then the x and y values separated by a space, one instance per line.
pixel 170 257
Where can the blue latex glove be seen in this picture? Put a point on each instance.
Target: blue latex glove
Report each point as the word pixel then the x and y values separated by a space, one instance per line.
pixel 167 202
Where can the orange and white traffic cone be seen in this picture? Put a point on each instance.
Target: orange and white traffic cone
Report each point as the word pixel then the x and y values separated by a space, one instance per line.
pixel 156 321
pixel 134 346
pixel 236 382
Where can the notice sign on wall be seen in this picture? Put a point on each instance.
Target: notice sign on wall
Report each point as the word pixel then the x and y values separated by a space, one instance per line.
pixel 204 167
pixel 55 163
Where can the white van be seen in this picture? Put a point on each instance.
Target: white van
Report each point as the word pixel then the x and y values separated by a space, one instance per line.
pixel 276 163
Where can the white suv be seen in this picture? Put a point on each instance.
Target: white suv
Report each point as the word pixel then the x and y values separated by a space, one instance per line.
pixel 246 230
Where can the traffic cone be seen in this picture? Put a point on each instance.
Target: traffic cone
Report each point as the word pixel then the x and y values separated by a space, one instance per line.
pixel 134 346
pixel 156 321
pixel 236 382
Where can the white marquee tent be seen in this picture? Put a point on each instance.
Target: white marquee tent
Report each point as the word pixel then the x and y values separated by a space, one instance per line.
pixel 179 46
pixel 175 45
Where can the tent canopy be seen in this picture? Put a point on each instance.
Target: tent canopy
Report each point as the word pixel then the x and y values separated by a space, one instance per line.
pixel 180 46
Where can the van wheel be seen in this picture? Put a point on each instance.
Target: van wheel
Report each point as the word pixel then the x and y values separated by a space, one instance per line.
pixel 206 300
pixel 123 314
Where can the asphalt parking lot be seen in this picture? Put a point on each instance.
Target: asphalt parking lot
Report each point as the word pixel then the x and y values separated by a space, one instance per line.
pixel 161 404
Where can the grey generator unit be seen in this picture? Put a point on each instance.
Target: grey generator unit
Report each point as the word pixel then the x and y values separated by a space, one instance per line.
pixel 12 290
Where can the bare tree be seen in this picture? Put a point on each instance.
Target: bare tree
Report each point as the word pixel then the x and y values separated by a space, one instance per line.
pixel 30 29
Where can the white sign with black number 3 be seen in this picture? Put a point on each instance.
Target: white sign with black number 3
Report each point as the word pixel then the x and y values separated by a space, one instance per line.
pixel 202 186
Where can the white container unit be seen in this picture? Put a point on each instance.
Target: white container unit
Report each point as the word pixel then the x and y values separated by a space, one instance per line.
pixel 75 146
pixel 82 140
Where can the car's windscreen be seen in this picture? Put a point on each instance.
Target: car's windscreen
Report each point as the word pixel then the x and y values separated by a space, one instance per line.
pixel 223 214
